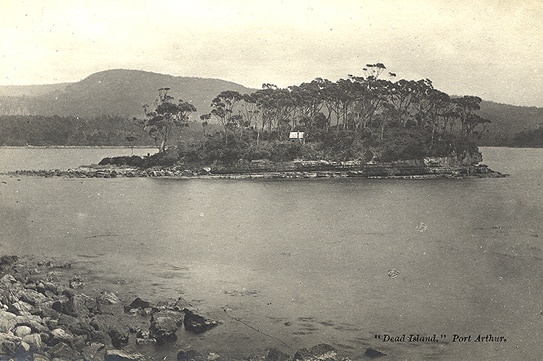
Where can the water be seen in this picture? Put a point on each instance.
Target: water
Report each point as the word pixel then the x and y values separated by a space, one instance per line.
pixel 36 158
pixel 309 261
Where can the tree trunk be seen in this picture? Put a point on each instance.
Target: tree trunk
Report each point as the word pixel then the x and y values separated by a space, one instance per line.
pixel 162 148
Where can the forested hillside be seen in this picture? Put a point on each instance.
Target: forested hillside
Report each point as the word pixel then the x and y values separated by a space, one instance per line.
pixel 105 130
pixel 507 121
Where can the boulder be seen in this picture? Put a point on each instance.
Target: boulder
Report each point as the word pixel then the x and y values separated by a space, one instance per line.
pixel 21 308
pixel 30 284
pixel 22 331
pixel 6 325
pixel 321 352
pixel 7 281
pixel 39 357
pixel 73 304
pixel 108 298
pixel 120 355
pixel 94 351
pixel 276 355
pixel 23 348
pixel 46 337
pixel 196 323
pixel 7 321
pixel 189 355
pixel 58 335
pixel 92 305
pixel 47 310
pixel 32 297
pixel 107 328
pixel 76 282
pixel 177 316
pixel 32 321
pixel 119 338
pixel 51 287
pixel 163 327
pixel 109 303
pixel 139 303
pixel 64 351
pixel 77 326
pixel 373 353
pixel 34 340
pixel 78 343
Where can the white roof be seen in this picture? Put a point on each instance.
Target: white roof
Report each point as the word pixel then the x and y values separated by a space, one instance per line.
pixel 296 135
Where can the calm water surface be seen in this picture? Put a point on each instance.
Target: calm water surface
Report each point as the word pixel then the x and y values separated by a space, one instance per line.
pixel 36 158
pixel 308 261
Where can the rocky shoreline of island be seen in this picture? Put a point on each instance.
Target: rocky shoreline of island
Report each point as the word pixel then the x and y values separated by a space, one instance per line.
pixel 426 168
pixel 47 313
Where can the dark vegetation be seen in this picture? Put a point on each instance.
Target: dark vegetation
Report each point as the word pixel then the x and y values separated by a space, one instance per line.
pixel 39 130
pixel 370 118
pixel 530 139
pixel 102 105
pixel 106 130
pixel 359 118
pixel 507 122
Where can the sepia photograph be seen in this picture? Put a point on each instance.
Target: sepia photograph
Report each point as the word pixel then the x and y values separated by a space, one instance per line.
pixel 273 180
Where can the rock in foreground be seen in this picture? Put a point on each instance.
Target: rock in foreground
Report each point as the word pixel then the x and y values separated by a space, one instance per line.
pixel 43 319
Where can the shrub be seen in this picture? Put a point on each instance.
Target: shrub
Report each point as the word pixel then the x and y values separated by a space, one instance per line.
pixel 286 151
pixel 133 161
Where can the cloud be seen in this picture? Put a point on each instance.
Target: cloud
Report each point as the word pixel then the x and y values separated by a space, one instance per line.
pixel 484 48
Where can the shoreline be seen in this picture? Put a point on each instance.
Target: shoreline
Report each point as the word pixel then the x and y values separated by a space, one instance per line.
pixel 369 172
pixel 449 167
pixel 48 312
pixel 435 168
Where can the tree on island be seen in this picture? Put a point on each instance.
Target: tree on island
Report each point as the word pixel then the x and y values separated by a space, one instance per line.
pixel 167 115
pixel 222 109
pixel 362 117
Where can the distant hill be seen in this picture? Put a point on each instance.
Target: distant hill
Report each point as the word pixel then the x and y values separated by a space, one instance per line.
pixel 112 92
pixel 507 121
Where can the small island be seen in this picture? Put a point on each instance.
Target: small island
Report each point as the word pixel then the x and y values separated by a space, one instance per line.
pixel 362 126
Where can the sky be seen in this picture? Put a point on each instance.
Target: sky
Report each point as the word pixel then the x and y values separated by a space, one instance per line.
pixel 489 48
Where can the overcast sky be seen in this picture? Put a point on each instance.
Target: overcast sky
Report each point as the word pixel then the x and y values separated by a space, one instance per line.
pixel 489 48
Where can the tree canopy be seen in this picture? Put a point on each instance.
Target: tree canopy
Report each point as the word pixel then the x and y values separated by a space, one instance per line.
pixel 349 118
pixel 160 122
